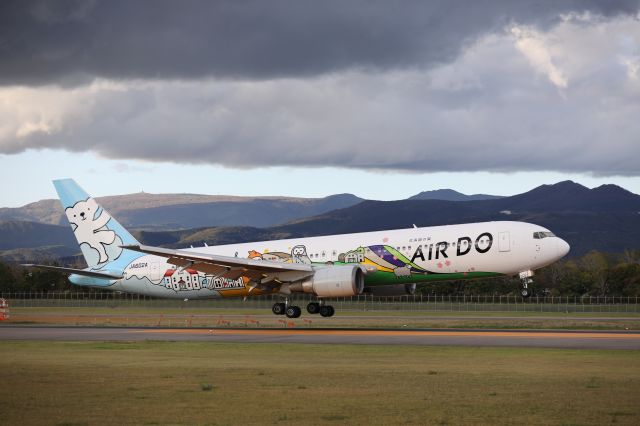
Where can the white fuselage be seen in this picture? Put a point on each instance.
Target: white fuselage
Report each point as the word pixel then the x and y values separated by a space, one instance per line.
pixel 397 256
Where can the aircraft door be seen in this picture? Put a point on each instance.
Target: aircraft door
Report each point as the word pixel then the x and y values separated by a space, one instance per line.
pixel 155 272
pixel 504 241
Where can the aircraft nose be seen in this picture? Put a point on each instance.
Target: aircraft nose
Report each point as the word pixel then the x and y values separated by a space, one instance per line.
pixel 562 247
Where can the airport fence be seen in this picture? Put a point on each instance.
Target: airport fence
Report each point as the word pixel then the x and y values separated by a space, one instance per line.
pixel 418 302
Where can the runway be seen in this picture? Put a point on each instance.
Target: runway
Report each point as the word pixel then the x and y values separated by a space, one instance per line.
pixel 442 337
pixel 269 316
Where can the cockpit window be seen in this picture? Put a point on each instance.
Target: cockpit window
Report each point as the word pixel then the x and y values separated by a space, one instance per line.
pixel 541 235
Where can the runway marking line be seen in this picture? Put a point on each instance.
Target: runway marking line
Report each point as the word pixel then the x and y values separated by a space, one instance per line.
pixel 391 333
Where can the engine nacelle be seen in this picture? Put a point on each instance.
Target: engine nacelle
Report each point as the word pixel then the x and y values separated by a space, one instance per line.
pixel 392 290
pixel 333 281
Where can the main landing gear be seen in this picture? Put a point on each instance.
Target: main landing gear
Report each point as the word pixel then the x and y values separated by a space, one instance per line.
pixel 320 308
pixel 283 308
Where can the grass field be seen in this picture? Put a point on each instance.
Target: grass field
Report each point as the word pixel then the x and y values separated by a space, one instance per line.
pixel 58 383
pixel 176 317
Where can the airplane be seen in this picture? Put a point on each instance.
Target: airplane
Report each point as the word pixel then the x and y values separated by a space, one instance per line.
pixel 379 263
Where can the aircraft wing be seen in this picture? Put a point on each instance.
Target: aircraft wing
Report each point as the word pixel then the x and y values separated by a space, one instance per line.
pixel 83 272
pixel 229 267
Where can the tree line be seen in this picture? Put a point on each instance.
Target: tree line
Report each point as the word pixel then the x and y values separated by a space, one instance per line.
pixel 594 274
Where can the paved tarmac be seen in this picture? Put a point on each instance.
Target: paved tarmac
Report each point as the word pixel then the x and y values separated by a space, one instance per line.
pixel 511 338
pixel 426 315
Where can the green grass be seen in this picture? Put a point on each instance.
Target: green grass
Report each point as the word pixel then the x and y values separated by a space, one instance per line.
pixel 135 316
pixel 59 383
pixel 134 310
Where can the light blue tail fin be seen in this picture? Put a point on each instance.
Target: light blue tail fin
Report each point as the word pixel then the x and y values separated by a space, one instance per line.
pixel 100 236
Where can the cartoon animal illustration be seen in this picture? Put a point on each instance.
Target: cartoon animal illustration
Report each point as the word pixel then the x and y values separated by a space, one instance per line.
pixel 299 255
pixel 354 256
pixel 402 271
pixel 90 229
pixel 254 255
pixel 275 256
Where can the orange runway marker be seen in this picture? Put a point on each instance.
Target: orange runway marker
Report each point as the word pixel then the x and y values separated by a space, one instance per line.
pixel 402 333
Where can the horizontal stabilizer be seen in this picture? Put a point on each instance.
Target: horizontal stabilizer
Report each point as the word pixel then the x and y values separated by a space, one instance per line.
pixel 83 272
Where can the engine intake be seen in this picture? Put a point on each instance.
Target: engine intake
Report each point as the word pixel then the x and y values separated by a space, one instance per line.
pixel 334 281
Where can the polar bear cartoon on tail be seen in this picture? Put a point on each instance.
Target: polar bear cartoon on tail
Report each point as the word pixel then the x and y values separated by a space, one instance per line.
pixel 90 229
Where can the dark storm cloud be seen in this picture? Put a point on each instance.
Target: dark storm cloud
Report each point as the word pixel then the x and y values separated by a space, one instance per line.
pixel 415 86
pixel 69 42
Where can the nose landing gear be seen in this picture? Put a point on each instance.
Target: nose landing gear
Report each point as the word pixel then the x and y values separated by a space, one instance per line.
pixel 526 280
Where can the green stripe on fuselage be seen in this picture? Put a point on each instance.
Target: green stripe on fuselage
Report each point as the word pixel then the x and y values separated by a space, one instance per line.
pixel 389 278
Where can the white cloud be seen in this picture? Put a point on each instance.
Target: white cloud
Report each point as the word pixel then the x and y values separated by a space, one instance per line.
pixel 633 66
pixel 28 128
pixel 533 46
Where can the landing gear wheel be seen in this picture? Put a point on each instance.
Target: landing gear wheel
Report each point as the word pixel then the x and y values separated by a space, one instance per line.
pixel 327 311
pixel 313 308
pixel 293 312
pixel 278 308
pixel 526 281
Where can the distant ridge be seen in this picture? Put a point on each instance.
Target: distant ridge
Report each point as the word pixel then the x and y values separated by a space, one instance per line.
pixel 22 234
pixel 181 211
pixel 606 218
pixel 568 195
pixel 451 195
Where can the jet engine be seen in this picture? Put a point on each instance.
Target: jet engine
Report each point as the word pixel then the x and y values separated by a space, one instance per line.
pixel 333 281
pixel 392 290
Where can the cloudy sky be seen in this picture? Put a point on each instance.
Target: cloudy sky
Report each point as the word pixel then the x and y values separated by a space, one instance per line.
pixel 383 99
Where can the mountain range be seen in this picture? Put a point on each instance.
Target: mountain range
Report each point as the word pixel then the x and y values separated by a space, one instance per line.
pixel 451 195
pixel 183 211
pixel 606 218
